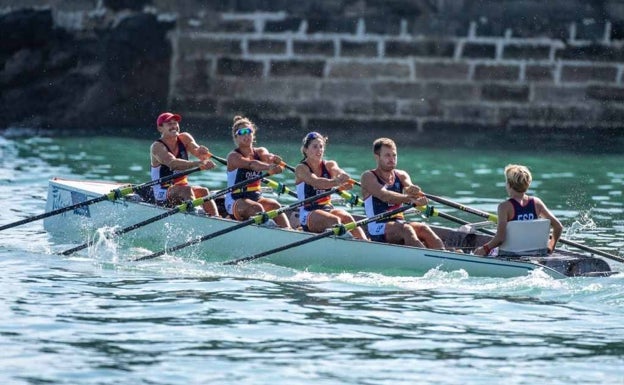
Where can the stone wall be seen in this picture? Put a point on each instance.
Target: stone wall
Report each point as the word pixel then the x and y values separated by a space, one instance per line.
pixel 424 71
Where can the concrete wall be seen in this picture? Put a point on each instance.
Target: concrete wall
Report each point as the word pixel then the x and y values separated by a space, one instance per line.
pixel 427 71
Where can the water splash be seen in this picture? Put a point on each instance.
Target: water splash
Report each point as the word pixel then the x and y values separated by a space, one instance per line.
pixel 584 222
pixel 104 247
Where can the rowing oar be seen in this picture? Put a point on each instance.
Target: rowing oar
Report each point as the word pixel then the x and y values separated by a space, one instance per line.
pixel 337 230
pixel 256 219
pixel 184 207
pixel 110 196
pixel 488 216
pixel 494 218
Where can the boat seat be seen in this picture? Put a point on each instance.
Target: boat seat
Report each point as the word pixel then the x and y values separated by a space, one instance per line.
pixel 526 238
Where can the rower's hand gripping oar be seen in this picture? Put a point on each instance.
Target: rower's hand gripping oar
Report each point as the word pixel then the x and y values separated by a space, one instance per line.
pixel 186 206
pixel 278 187
pixel 494 218
pixel 256 219
pixel 111 196
pixel 335 230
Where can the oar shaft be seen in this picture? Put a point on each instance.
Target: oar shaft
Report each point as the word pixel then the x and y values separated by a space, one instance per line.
pixel 488 216
pixel 180 208
pixel 336 230
pixel 257 219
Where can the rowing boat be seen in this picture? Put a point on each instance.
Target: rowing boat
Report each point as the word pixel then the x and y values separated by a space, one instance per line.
pixel 330 254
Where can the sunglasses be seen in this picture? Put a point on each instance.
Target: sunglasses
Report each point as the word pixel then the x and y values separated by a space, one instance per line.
pixel 244 131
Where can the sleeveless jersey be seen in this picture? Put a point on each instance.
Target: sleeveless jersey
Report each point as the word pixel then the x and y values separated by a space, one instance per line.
pixel 305 191
pixel 161 171
pixel 523 213
pixel 374 206
pixel 250 191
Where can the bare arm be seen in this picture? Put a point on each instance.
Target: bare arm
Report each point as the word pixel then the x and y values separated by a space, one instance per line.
pixel 543 212
pixel 371 186
pixel 501 229
pixel 236 160
pixel 338 177
pixel 161 155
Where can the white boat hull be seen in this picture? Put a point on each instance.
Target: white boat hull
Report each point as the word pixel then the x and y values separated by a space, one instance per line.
pixel 333 254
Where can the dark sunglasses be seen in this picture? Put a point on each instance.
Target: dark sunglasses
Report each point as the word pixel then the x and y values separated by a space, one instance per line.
pixel 244 131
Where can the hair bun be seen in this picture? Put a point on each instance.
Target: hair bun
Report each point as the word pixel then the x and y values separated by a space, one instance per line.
pixel 237 118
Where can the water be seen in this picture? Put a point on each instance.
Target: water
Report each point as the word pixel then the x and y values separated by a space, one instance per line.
pixel 95 319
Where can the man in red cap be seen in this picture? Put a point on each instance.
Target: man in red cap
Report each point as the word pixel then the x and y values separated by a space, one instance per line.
pixel 169 154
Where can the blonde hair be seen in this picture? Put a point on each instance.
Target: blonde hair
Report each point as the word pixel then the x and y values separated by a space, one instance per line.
pixel 519 177
pixel 378 143
pixel 242 122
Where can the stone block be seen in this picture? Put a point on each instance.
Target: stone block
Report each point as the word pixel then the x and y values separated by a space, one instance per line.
pixel 311 68
pixel 612 113
pixel 469 111
pixel 442 70
pixel 266 46
pixel 590 30
pixel 368 70
pixel 451 91
pixel 539 73
pixel 383 24
pixel 260 107
pixel 421 108
pixel 486 72
pixel 239 67
pixel 479 51
pixel 313 47
pixel 321 24
pixel 289 24
pixel 398 90
pixel 547 113
pixel 505 93
pixel 423 48
pixel 559 94
pixel 198 47
pixel 346 89
pixel 526 52
pixel 235 26
pixel 367 107
pixel 593 73
pixel 593 52
pixel 266 88
pixel 316 107
pixel 605 93
pixel 358 49
pixel 617 30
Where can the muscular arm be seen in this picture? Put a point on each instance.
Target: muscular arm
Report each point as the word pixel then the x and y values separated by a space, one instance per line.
pixel 236 160
pixel 370 186
pixel 161 155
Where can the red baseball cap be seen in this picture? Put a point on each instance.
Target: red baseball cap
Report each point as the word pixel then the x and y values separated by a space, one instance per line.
pixel 167 116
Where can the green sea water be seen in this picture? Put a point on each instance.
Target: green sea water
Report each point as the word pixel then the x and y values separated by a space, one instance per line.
pixel 90 319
